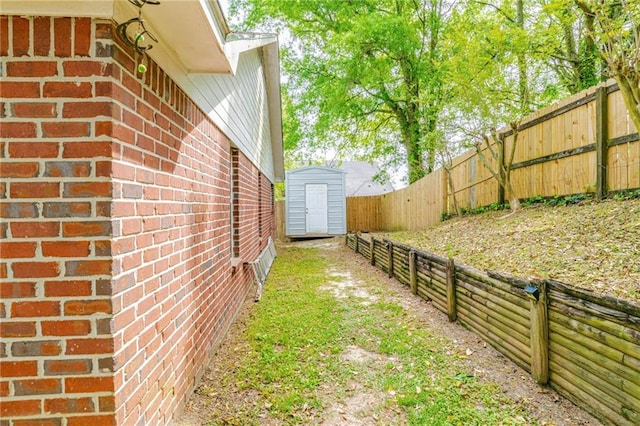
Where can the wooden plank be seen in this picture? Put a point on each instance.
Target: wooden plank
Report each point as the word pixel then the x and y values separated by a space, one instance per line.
pixel 497 342
pixel 436 287
pixel 591 365
pixel 424 293
pixel 451 290
pixel 561 382
pixel 280 220
pixel 372 253
pixel 433 275
pixel 494 318
pixel 586 318
pixel 516 315
pixel 426 265
pixel 555 156
pixel 612 308
pixel 601 143
pixel 560 111
pixel 413 278
pixel 557 327
pixel 440 260
pixel 630 351
pixel 614 349
pixel 633 137
pixel 434 293
pixel 540 336
pixel 504 291
pixel 594 400
pixel 494 279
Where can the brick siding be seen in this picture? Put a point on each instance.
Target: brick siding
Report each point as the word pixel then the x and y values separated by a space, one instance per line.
pixel 115 278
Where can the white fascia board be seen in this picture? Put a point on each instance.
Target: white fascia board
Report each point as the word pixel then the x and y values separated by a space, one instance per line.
pixel 271 58
pixel 237 43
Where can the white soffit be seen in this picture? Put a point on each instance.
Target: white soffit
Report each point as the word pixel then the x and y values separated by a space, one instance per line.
pixel 197 31
pixel 196 28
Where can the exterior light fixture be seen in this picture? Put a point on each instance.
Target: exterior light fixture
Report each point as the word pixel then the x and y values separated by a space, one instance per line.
pixel 532 292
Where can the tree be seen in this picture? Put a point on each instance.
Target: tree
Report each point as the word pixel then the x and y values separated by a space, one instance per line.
pixel 570 49
pixel 364 74
pixel 616 33
pixel 498 81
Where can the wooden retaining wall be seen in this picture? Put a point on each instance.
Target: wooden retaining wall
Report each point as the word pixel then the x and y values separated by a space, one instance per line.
pixel 585 347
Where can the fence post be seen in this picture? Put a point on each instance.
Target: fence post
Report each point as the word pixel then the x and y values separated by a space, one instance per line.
pixel 372 255
pixel 539 327
pixel 390 257
pixel 355 247
pixel 413 275
pixel 602 142
pixel 452 311
pixel 501 167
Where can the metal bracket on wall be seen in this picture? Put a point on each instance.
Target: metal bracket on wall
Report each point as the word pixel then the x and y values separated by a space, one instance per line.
pixel 139 36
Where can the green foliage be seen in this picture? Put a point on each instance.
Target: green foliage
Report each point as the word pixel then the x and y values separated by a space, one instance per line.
pixel 569 47
pixel 289 331
pixel 627 194
pixel 393 81
pixel 558 200
pixel 538 199
pixel 554 201
pixel 363 77
pixel 484 209
pixel 279 191
pixel 616 33
pixel 466 211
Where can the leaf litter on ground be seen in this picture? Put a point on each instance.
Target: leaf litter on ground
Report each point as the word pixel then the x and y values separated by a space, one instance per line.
pixel 593 245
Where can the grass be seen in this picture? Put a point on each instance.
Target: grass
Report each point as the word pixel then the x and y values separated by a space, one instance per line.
pixel 293 366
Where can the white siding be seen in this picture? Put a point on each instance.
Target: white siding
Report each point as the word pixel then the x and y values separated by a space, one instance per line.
pixel 238 105
pixel 295 199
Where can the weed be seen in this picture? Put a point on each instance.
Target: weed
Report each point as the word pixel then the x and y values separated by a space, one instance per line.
pixel 484 209
pixel 627 194
pixel 538 199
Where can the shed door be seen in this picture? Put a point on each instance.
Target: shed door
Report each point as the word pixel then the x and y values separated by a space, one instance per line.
pixel 316 208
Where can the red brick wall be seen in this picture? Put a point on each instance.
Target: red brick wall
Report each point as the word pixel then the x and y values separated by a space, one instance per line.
pixel 116 276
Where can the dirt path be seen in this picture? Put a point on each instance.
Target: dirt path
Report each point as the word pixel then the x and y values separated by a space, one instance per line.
pixel 359 407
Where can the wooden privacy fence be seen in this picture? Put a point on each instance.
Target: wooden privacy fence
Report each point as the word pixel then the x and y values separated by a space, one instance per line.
pixel 585 347
pixel 585 143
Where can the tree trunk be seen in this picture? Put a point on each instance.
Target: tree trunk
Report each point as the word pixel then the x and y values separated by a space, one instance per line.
pixel 523 78
pixel 452 189
pixel 514 201
pixel 415 165
pixel 631 97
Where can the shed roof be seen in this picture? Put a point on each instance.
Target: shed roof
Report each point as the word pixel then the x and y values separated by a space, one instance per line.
pixel 317 168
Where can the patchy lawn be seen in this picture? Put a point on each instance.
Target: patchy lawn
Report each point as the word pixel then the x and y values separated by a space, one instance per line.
pixel 593 245
pixel 334 341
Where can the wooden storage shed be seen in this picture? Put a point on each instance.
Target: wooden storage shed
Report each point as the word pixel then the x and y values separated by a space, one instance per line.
pixel 315 202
